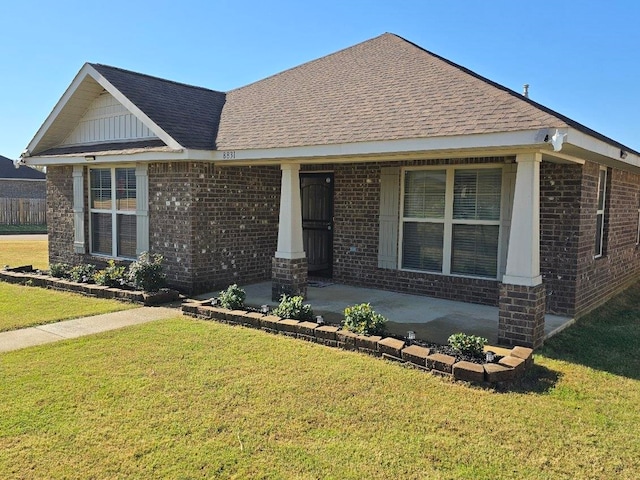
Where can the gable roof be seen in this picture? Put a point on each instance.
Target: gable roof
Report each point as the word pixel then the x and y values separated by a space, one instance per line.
pixel 190 115
pixel 383 89
pixel 9 171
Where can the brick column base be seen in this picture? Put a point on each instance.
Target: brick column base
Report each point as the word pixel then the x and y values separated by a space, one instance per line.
pixel 288 276
pixel 521 318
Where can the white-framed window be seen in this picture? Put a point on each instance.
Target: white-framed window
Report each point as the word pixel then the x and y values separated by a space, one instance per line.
pixel 600 220
pixel 112 211
pixel 638 230
pixel 451 220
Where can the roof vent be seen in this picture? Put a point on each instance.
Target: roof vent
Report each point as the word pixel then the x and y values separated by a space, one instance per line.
pixel 525 90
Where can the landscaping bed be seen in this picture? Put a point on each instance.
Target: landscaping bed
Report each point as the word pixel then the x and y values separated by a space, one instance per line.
pixel 438 359
pixel 26 275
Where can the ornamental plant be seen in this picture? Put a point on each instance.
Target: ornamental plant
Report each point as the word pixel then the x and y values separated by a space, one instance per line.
pixel 146 272
pixel 112 275
pixel 232 298
pixel 59 270
pixel 293 308
pixel 82 273
pixel 364 320
pixel 467 344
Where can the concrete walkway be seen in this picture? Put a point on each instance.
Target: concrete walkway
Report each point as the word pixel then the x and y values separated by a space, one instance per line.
pixel 79 327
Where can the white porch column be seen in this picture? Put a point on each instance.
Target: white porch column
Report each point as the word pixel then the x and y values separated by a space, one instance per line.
pixel 290 244
pixel 523 258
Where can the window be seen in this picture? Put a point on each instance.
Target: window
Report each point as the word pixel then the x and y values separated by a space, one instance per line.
pixel 451 221
pixel 112 206
pixel 602 193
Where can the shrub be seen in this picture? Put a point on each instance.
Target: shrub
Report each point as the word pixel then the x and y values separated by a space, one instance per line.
pixel 59 270
pixel 292 307
pixel 364 320
pixel 112 276
pixel 146 273
pixel 232 298
pixel 467 344
pixel 82 273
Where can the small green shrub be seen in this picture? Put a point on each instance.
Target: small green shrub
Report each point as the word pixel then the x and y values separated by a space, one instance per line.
pixel 293 308
pixel 146 273
pixel 364 320
pixel 232 298
pixel 112 276
pixel 59 270
pixel 82 273
pixel 467 344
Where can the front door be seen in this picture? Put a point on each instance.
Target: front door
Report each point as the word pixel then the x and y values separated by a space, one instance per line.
pixel 317 221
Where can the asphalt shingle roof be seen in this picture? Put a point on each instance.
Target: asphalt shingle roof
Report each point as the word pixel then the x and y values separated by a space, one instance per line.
pixel 386 88
pixel 383 89
pixel 8 170
pixel 190 115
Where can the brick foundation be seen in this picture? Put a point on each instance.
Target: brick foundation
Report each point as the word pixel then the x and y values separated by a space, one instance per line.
pixel 289 276
pixel 521 317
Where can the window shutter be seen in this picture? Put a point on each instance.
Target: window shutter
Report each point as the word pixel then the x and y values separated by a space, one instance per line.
pixel 78 209
pixel 142 208
pixel 388 219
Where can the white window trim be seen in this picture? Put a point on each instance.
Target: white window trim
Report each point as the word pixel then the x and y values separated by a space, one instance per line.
pixel 448 219
pixel 638 230
pixel 602 210
pixel 113 211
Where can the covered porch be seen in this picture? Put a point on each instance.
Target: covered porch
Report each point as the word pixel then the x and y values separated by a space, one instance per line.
pixel 432 319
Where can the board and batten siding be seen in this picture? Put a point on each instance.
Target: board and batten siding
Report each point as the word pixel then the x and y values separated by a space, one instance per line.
pixel 107 120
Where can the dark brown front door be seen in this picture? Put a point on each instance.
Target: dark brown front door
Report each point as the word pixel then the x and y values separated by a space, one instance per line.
pixel 317 221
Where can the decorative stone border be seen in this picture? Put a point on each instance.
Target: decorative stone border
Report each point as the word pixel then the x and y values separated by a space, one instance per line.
pixel 509 369
pixel 165 295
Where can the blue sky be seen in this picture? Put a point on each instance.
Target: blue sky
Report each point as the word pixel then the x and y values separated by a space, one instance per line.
pixel 581 58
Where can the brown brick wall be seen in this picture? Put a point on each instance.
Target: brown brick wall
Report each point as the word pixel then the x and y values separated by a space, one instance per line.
pixel 521 316
pixel 356 210
pixel 560 195
pixel 60 215
pixel 214 225
pixel 600 278
pixel 23 188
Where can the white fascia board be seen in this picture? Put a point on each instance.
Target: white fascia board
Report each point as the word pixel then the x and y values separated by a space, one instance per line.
pixel 592 144
pixel 160 133
pixel 58 107
pixel 532 138
pixel 147 156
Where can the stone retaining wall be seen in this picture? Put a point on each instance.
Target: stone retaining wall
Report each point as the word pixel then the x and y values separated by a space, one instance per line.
pixel 89 289
pixel 510 368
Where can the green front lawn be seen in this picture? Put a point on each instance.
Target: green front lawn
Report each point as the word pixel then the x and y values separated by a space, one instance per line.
pixel 184 398
pixel 22 306
pixel 15 253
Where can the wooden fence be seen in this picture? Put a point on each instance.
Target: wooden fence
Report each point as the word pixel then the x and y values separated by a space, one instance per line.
pixel 23 211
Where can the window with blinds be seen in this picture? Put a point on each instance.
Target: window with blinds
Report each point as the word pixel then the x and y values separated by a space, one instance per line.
pixel 112 202
pixel 451 220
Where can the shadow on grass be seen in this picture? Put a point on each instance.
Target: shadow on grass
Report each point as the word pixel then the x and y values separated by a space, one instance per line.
pixel 607 339
pixel 538 379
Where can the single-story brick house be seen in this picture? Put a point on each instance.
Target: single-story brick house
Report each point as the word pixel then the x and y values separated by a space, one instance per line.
pixel 21 182
pixel 381 165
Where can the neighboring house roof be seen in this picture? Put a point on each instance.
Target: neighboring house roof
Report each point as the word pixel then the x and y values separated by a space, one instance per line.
pixel 383 89
pixel 9 171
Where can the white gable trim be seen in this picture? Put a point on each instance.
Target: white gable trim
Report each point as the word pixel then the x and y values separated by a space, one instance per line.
pixel 88 71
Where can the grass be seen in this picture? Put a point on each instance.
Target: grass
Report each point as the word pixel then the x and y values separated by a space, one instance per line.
pixel 184 398
pixel 22 306
pixel 19 229
pixel 23 252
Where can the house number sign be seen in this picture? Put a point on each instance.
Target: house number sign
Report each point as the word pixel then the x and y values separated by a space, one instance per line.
pixel 230 155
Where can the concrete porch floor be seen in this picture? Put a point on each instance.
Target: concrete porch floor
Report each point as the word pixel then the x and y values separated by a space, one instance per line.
pixel 432 319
